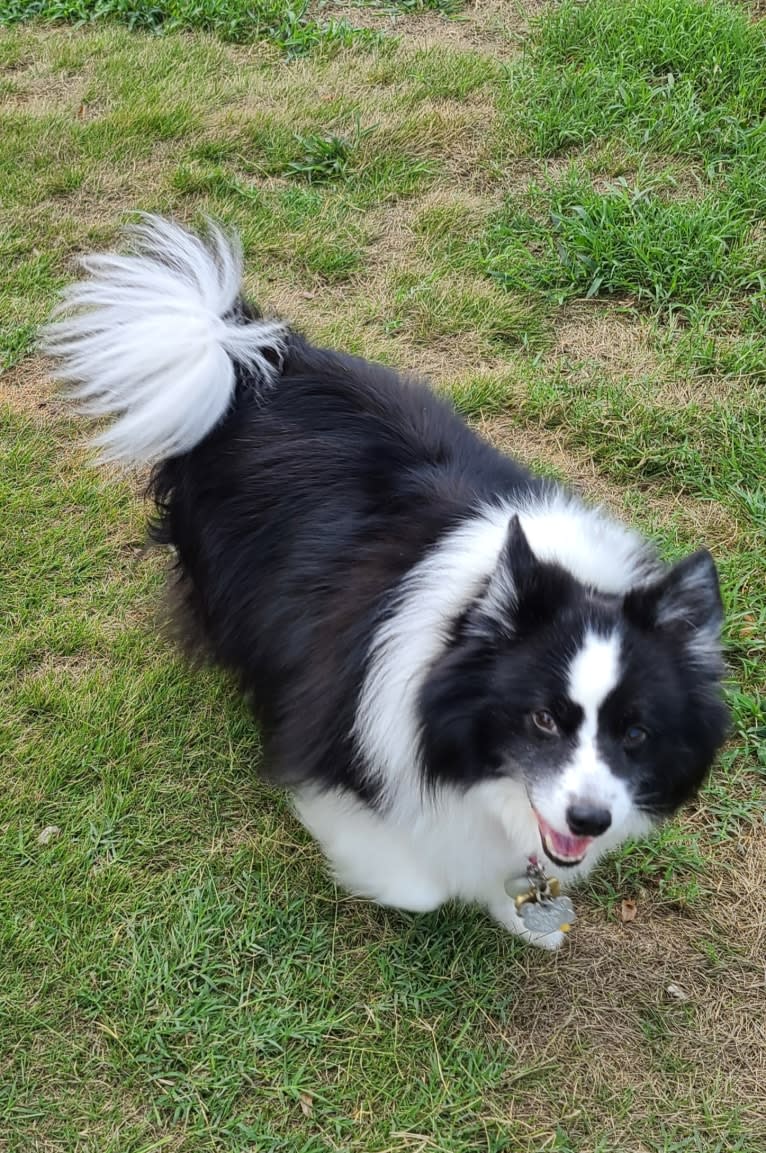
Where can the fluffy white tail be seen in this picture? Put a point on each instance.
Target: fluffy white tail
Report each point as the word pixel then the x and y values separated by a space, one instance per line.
pixel 150 339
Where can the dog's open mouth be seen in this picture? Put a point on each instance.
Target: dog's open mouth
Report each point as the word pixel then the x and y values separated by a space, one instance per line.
pixel 562 848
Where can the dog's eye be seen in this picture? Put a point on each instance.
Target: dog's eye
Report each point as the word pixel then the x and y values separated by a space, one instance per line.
pixel 543 720
pixel 633 737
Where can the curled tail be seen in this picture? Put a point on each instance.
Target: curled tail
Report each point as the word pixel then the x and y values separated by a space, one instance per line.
pixel 152 338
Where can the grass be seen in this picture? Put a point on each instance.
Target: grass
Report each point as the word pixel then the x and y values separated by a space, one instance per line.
pixel 286 25
pixel 570 243
pixel 667 101
pixel 625 241
pixel 683 78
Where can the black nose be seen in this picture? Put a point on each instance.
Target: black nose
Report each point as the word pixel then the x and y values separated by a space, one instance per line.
pixel 588 820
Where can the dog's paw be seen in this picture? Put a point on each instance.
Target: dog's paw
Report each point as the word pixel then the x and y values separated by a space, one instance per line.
pixel 505 914
pixel 551 941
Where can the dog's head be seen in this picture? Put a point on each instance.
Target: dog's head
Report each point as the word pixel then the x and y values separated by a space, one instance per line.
pixel 608 708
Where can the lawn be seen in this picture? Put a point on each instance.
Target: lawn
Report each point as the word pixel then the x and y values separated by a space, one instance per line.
pixel 558 213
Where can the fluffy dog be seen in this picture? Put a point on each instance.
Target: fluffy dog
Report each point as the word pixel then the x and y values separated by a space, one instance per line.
pixel 457 666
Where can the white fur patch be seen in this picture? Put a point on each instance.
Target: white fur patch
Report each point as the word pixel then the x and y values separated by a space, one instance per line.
pixel 584 540
pixel 464 846
pixel 593 674
pixel 148 339
pixel 387 725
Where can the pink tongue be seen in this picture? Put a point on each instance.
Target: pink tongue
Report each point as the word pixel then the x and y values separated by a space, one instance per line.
pixel 562 844
pixel 568 847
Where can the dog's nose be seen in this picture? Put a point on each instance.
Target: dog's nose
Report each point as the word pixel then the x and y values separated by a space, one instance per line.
pixel 587 820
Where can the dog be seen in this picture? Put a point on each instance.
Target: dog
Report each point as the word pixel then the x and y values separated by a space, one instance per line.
pixel 458 667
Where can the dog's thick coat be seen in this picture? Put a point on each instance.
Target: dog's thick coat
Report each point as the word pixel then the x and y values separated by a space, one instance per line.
pixel 457 665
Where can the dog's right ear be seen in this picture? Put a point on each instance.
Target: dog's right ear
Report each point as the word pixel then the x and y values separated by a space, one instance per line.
pixel 522 588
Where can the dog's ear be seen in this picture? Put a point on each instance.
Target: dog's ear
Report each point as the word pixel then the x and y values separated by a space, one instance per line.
pixel 522 588
pixel 686 602
pixel 518 559
pixel 457 716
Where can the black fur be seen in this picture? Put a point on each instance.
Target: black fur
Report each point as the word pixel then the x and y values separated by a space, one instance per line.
pixel 296 519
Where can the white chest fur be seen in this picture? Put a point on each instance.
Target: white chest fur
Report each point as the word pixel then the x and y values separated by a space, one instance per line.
pixel 461 845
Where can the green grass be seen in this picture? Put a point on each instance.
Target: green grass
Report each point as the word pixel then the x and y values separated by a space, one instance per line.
pixel 664 106
pixel 441 7
pixel 285 24
pixel 700 263
pixel 433 306
pixel 177 971
pixel 627 241
pixel 685 77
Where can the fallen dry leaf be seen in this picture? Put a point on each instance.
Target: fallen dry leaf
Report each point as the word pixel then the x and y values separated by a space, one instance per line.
pixel 749 625
pixel 628 910
pixel 306 1102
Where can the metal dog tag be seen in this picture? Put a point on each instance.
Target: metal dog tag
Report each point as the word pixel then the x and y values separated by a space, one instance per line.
pixel 554 915
pixel 542 908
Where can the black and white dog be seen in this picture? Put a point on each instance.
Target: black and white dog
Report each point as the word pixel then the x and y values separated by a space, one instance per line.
pixel 457 666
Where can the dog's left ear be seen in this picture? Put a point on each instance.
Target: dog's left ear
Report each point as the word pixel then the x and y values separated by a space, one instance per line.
pixel 686 601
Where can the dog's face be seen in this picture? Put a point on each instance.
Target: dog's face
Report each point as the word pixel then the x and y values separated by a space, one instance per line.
pixel 608 708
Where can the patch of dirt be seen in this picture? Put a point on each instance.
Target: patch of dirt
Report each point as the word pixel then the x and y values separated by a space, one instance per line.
pixel 650 990
pixel 445 359
pixel 474 207
pixel 481 25
pixel 676 391
pixel 64 666
pixel 603 337
pixel 531 445
pixel 593 336
pixel 27 389
pixel 108 196
pixel 37 89
pixel 391 235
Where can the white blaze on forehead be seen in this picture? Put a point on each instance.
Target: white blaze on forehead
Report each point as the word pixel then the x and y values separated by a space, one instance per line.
pixel 593 674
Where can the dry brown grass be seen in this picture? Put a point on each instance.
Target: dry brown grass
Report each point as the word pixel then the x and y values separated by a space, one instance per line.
pixel 28 390
pixel 622 990
pixel 617 343
pixel 597 341
pixel 483 25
